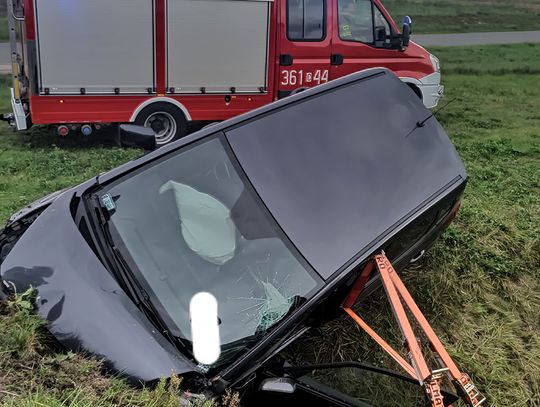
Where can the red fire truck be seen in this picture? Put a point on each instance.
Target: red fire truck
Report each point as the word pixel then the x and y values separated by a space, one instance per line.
pixel 79 64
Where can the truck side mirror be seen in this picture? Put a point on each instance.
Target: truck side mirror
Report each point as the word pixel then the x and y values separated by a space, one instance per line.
pixel 405 36
pixel 134 136
pixel 278 385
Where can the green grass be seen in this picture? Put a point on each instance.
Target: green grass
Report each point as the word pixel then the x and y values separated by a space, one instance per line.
pixel 493 60
pixel 34 375
pixel 479 286
pixel 447 16
pixel 38 161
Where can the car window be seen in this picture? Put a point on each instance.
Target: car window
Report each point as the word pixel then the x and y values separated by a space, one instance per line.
pixel 365 387
pixel 305 20
pixel 192 223
pixel 412 234
pixel 355 19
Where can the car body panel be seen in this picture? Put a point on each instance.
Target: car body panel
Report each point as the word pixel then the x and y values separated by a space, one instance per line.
pixel 338 178
pixel 35 206
pixel 84 305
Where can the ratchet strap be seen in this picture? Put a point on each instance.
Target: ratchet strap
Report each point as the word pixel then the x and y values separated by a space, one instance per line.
pixel 399 297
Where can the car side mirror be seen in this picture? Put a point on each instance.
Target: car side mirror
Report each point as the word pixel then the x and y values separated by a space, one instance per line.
pixel 134 136
pixel 278 385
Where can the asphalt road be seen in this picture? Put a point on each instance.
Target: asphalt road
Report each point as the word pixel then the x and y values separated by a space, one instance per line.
pixel 456 40
pixel 427 40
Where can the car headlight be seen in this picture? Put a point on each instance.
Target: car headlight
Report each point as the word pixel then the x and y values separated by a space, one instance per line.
pixel 436 63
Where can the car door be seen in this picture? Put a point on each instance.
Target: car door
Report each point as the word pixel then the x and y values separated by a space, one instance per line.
pixel 305 37
pixel 354 44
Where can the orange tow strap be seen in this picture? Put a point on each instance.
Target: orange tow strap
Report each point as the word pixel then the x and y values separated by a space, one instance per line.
pixel 418 368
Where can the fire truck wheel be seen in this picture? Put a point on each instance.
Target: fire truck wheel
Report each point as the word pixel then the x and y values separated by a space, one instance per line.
pixel 168 122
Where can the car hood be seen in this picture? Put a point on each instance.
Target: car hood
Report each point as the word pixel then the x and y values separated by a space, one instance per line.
pixel 84 306
pixel 35 207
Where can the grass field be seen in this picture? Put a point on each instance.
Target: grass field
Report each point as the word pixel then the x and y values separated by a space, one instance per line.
pixel 480 285
pixel 447 16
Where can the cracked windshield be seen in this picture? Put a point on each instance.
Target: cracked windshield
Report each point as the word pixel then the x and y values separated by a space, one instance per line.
pixel 190 224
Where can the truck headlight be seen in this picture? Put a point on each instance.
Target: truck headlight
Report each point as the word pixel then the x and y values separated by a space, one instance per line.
pixel 436 63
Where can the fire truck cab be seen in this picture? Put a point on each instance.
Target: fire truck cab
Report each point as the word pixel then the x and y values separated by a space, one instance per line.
pixel 165 63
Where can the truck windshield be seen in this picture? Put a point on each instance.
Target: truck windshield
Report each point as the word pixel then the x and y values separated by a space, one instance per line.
pixel 192 223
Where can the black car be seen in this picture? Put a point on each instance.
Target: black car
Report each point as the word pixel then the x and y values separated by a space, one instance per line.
pixel 273 212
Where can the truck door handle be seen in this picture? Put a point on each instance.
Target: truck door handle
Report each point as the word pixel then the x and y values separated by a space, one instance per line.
pixel 285 60
pixel 336 59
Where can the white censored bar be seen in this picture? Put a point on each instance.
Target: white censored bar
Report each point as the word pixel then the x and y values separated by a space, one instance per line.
pixel 203 310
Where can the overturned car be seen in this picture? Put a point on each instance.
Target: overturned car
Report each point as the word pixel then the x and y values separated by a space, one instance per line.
pixel 274 212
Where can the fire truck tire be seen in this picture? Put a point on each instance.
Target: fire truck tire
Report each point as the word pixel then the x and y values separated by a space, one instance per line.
pixel 167 120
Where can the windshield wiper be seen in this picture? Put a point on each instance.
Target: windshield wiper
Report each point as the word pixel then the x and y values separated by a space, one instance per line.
pixel 123 272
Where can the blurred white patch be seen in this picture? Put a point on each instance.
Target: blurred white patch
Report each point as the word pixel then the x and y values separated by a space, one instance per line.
pixel 203 310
